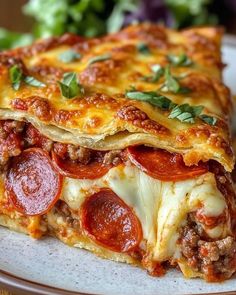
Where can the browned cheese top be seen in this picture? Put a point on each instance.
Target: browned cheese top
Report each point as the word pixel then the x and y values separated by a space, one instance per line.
pixel 102 117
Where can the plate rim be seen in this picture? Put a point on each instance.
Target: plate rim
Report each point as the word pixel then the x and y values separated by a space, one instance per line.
pixel 229 40
pixel 21 286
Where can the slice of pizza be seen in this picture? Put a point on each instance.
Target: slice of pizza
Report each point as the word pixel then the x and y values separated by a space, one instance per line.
pixel 121 146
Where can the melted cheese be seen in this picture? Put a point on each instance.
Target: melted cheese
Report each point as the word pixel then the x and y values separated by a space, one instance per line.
pixel 162 207
pixel 102 118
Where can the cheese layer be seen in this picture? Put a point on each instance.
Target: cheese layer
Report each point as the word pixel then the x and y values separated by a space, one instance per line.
pixel 161 207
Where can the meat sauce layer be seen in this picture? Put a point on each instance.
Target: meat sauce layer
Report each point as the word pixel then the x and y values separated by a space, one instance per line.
pixel 21 144
pixel 16 136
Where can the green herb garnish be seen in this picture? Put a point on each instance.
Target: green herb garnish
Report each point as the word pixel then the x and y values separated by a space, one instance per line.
pixel 70 86
pixel 172 84
pixel 16 76
pixel 185 113
pixel 131 88
pixel 33 82
pixel 208 119
pixel 158 72
pixel 143 48
pixel 99 58
pixel 152 97
pixel 179 60
pixel 69 56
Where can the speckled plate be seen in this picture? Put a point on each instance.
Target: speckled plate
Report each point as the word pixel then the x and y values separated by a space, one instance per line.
pixel 49 267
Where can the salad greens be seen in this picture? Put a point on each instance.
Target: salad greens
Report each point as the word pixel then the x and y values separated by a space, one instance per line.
pixel 96 17
pixel 11 39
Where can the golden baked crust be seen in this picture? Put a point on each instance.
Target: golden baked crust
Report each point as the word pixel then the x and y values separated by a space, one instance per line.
pixel 103 118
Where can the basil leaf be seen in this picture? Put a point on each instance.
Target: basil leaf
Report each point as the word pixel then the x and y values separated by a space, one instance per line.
pixel 179 60
pixel 185 113
pixel 33 82
pixel 196 110
pixel 138 95
pixel 16 76
pixel 69 56
pixel 184 90
pixel 131 88
pixel 208 119
pixel 151 97
pixel 186 117
pixel 157 69
pixel 69 85
pixel 158 72
pixel 171 83
pixel 143 48
pixel 162 102
pixel 99 58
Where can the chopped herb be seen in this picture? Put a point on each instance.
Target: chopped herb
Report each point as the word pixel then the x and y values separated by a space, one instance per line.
pixel 99 58
pixel 143 48
pixel 152 97
pixel 33 82
pixel 69 85
pixel 158 72
pixel 172 84
pixel 69 56
pixel 131 88
pixel 139 95
pixel 208 119
pixel 16 76
pixel 185 113
pixel 197 110
pixel 184 90
pixel 179 60
pixel 181 76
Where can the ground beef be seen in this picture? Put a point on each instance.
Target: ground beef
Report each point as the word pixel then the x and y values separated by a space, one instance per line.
pixel 81 154
pixel 33 137
pixel 63 210
pixel 216 249
pixel 15 136
pixel 11 143
pixel 112 157
pixel 215 259
pixel 10 126
pixel 85 155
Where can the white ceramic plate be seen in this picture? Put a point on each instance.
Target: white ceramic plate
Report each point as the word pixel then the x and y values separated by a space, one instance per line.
pixel 49 267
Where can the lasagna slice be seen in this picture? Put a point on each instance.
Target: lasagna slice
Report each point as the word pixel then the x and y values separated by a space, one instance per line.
pixel 121 146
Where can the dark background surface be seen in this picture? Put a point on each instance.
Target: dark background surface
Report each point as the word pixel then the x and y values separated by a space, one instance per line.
pixel 11 16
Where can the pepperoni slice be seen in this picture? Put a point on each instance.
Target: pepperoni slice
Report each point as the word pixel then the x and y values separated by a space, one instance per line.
pixel 163 165
pixel 32 183
pixel 110 222
pixel 73 169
